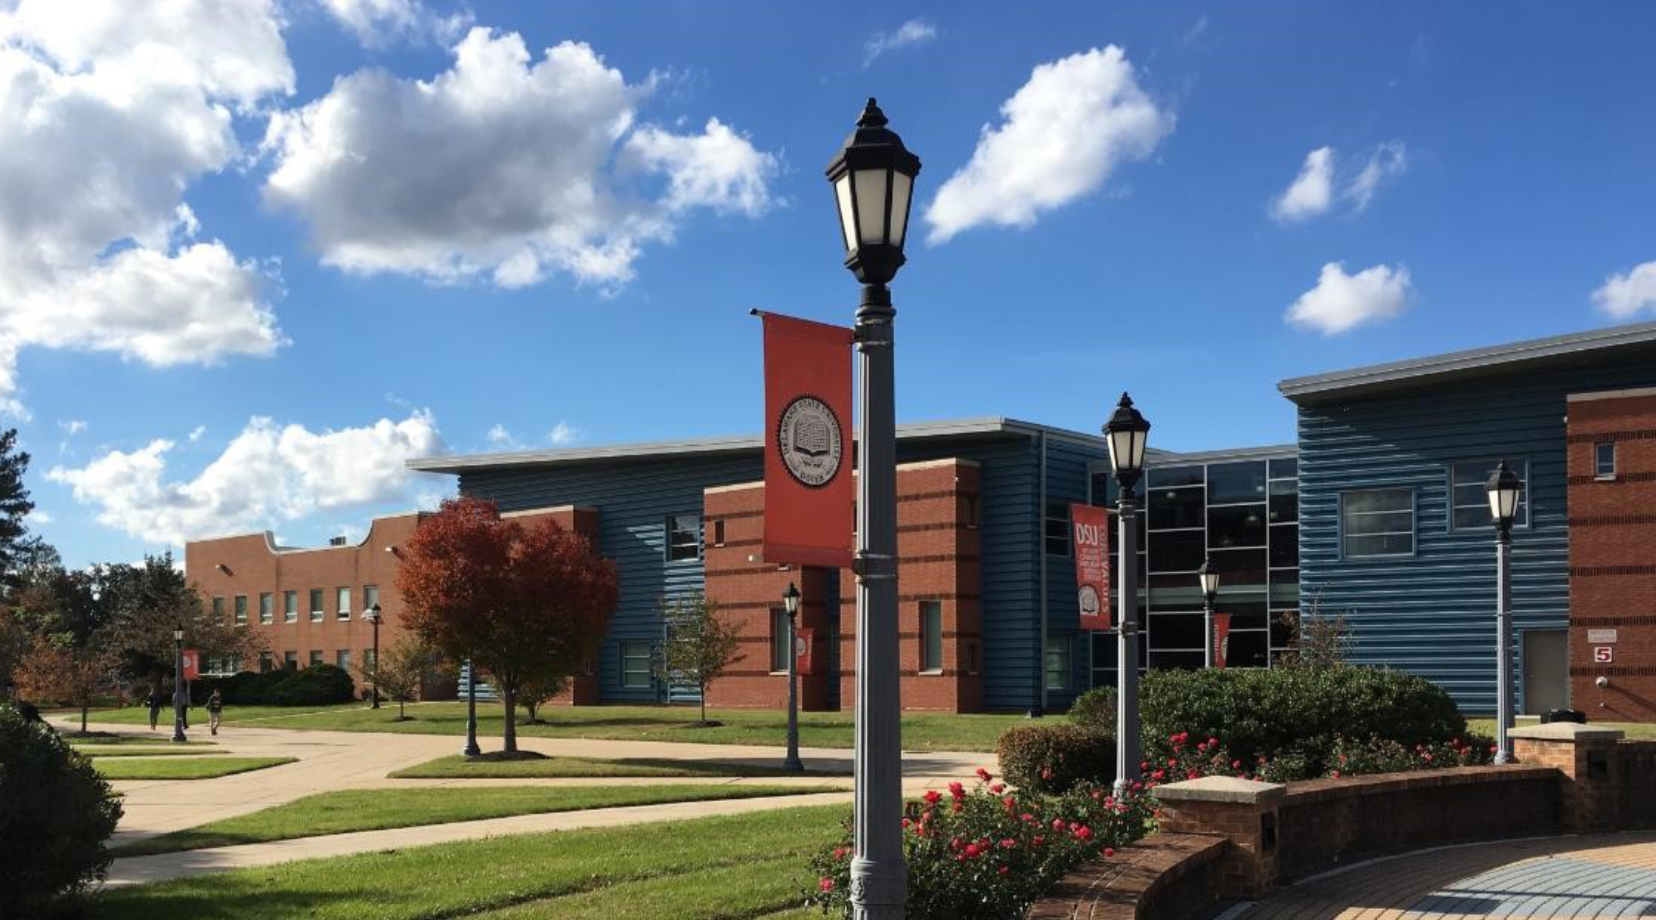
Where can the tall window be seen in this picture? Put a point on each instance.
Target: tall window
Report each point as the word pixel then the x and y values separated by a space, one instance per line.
pixel 316 657
pixel 266 661
pixel 267 608
pixel 779 640
pixel 218 610
pixel 290 660
pixel 1057 529
pixel 1604 459
pixel 683 537
pixel 241 610
pixel 1378 522
pixel 369 659
pixel 290 606
pixel 316 605
pixel 342 658
pixel 342 603
pixel 1057 662
pixel 1471 500
pixel 370 597
pixel 931 636
pixel 635 665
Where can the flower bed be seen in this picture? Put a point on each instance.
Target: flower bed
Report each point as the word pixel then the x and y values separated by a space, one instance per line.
pixel 1177 759
pixel 987 852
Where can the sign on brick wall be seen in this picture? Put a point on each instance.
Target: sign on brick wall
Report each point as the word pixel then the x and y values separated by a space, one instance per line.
pixel 1604 654
pixel 1601 636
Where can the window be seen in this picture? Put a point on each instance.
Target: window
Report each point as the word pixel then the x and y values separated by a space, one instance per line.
pixel 931 636
pixel 342 658
pixel 316 657
pixel 267 608
pixel 1236 526
pixel 718 532
pixel 241 610
pixel 369 659
pixel 1284 501
pixel 1378 522
pixel 779 640
pixel 342 603
pixel 1471 500
pixel 969 510
pixel 218 610
pixel 290 660
pixel 683 537
pixel 316 605
pixel 290 606
pixel 1175 508
pixel 1057 663
pixel 1604 460
pixel 1232 483
pixel 1057 529
pixel 635 665
pixel 266 661
pixel 370 597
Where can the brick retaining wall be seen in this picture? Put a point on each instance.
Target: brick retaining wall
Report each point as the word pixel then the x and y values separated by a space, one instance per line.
pixel 1162 877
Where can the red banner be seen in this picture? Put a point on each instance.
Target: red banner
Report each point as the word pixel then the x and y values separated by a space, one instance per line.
pixel 1092 564
pixel 809 496
pixel 1221 639
pixel 804 649
pixel 192 664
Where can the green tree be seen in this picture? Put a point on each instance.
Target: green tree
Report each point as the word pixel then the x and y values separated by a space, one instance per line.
pixel 14 501
pixel 700 644
pixel 403 668
pixel 145 602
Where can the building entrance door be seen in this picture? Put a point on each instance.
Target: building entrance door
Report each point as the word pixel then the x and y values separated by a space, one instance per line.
pixel 1546 670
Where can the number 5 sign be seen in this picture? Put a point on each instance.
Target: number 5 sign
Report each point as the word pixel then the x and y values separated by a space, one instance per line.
pixel 1604 654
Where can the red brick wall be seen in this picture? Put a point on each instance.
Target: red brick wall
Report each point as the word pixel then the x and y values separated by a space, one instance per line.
pixel 938 559
pixel 1613 554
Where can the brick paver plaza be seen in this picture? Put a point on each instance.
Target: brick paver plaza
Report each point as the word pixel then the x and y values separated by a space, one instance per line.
pixel 1609 875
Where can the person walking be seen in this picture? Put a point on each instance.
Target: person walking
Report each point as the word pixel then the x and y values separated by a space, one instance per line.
pixel 215 711
pixel 153 701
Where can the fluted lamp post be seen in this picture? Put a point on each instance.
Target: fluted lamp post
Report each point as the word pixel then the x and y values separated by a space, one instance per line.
pixel 790 604
pixel 178 684
pixel 1209 577
pixel 1126 434
pixel 372 615
pixel 873 181
pixel 1504 489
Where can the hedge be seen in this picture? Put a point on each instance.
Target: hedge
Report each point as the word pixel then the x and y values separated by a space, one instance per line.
pixel 1055 758
pixel 317 685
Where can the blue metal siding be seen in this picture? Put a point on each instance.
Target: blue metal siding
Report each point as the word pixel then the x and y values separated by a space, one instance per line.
pixel 1066 483
pixel 1432 613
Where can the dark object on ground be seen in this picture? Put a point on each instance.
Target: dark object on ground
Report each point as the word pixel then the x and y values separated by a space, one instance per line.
pixel 29 712
pixel 1564 715
pixel 55 814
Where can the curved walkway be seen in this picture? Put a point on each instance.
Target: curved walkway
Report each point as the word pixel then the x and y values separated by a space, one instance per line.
pixel 1555 878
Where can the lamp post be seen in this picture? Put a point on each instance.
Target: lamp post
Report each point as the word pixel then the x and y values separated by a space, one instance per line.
pixel 1126 433
pixel 372 615
pixel 790 603
pixel 472 750
pixel 873 180
pixel 1503 489
pixel 178 684
pixel 1210 590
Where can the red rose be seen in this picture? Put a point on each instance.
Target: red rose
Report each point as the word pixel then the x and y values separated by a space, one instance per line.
pixel 933 796
pixel 827 884
pixel 984 775
pixel 839 852
pixel 1002 870
pixel 957 790
pixel 1109 852
pixel 1083 833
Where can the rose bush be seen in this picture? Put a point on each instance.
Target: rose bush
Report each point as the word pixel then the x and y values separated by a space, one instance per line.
pixel 987 852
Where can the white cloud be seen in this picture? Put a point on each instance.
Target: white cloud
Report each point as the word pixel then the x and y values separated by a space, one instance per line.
pixel 564 434
pixel 266 475
pixel 1625 296
pixel 109 111
pixel 1385 161
pixel 378 23
pixel 197 432
pixel 72 426
pixel 911 33
pixel 501 168
pixel 38 517
pixel 1340 302
pixel 1064 132
pixel 502 439
pixel 1312 191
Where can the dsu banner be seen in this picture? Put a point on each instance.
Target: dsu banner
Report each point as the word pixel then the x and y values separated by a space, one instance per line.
pixel 809 497
pixel 1221 639
pixel 1092 564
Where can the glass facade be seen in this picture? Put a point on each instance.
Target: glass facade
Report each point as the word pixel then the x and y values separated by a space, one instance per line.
pixel 1241 514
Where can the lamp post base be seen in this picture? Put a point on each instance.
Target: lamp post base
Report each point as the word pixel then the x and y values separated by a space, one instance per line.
pixel 793 765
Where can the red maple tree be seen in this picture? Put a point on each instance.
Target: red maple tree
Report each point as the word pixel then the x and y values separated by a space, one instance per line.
pixel 527 604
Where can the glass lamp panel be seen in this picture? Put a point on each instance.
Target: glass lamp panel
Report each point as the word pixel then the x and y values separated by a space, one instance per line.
pixel 1120 449
pixel 848 227
pixel 1137 449
pixel 1503 503
pixel 901 188
pixel 871 205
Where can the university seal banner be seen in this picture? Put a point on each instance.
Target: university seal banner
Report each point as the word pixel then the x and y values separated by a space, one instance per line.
pixel 1092 564
pixel 1221 639
pixel 809 496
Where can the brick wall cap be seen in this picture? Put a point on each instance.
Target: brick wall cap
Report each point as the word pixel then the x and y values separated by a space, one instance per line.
pixel 1220 789
pixel 1567 731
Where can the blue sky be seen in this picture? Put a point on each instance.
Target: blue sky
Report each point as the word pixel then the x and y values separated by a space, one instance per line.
pixel 412 228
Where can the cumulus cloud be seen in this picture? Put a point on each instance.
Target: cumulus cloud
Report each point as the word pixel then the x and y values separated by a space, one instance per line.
pixel 108 113
pixel 911 33
pixel 1312 191
pixel 1384 162
pixel 378 23
pixel 268 474
pixel 501 168
pixel 1065 131
pixel 1341 302
pixel 564 434
pixel 1627 295
pixel 38 517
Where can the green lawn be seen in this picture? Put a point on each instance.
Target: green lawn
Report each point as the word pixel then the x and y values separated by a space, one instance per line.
pixel 138 715
pixel 923 731
pixel 1633 729
pixel 131 750
pixel 457 766
pixel 182 767
pixel 375 809
pixel 731 867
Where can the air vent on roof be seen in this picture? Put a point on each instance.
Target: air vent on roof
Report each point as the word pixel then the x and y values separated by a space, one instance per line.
pixel 336 541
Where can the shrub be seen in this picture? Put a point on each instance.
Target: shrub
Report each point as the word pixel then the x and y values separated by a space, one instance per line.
pixel 55 814
pixel 1054 758
pixel 1294 713
pixel 317 685
pixel 1096 710
pixel 987 853
pixel 1352 757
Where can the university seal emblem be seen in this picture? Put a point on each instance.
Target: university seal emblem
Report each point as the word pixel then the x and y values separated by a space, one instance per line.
pixel 808 437
pixel 1089 601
